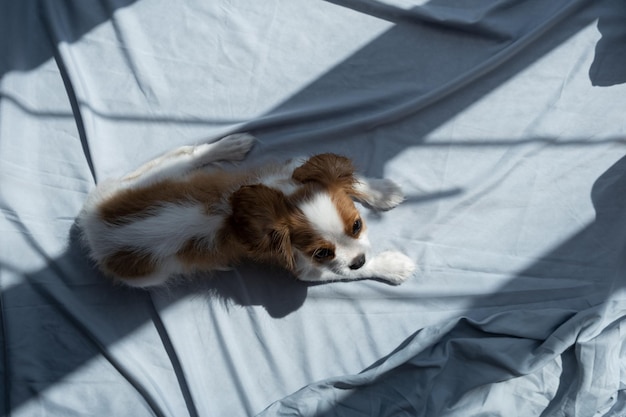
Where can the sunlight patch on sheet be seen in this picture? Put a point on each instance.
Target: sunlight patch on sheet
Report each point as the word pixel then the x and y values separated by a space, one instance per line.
pixel 510 109
pixel 151 65
pixel 504 200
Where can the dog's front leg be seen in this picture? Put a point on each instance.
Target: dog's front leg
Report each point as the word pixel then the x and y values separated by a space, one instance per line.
pixel 393 267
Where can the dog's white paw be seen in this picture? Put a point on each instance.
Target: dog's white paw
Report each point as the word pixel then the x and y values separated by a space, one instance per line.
pixel 381 194
pixel 393 267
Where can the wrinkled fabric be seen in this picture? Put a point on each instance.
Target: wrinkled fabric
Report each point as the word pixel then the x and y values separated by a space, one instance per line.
pixel 503 121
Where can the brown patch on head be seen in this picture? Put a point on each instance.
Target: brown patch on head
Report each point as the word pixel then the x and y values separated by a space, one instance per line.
pixel 314 247
pixel 353 224
pixel 327 169
pixel 129 263
pixel 204 188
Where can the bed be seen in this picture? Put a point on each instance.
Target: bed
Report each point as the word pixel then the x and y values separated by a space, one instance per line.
pixel 502 120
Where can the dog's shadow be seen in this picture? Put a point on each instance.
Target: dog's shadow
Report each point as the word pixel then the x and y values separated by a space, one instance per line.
pixel 278 292
pixel 247 284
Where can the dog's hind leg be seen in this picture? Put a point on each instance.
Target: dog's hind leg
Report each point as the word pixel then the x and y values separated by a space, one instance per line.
pixel 185 159
pixel 233 147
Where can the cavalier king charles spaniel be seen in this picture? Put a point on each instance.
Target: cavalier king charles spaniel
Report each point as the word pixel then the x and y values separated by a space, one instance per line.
pixel 184 212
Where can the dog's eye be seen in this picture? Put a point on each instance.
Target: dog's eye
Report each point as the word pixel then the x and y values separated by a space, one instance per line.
pixel 356 227
pixel 323 253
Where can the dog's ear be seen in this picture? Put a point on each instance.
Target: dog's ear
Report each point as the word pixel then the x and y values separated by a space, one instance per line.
pixel 260 220
pixel 329 170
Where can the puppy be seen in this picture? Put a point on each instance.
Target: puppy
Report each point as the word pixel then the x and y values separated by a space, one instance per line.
pixel 183 212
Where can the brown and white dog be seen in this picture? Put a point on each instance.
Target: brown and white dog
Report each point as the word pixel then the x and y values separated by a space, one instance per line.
pixel 182 213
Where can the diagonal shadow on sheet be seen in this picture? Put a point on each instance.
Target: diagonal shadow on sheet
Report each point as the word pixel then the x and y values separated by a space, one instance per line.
pixel 61 282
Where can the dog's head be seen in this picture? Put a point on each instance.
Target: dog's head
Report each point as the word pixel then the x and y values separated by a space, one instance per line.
pixel 318 222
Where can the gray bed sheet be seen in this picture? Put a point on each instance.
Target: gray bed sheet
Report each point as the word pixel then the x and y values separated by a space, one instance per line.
pixel 503 120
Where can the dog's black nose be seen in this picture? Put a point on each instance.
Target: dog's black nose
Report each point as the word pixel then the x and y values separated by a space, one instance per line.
pixel 358 262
